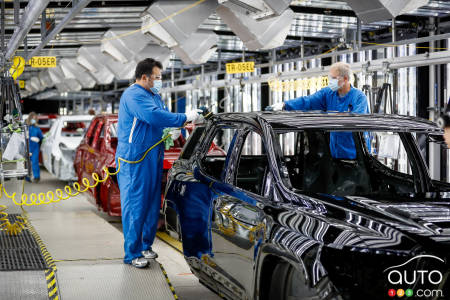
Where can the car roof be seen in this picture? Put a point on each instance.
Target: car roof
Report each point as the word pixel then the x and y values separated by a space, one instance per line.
pixel 76 118
pixel 334 121
pixel 107 116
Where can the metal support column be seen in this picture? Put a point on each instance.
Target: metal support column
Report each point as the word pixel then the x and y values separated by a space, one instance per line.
pixel 3 31
pixel 173 104
pixel 16 12
pixel 434 149
pixel 219 60
pixel 302 53
pixel 359 38
pixel 394 30
pixel 273 60
pixel 43 25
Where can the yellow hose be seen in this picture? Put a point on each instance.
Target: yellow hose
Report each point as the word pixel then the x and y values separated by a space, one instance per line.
pixel 49 197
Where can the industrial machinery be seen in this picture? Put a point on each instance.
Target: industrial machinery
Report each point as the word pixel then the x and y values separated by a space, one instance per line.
pixel 14 148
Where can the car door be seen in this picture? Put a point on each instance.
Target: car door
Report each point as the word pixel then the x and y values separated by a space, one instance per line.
pixel 190 189
pixel 47 146
pixel 97 156
pixel 87 163
pixel 238 224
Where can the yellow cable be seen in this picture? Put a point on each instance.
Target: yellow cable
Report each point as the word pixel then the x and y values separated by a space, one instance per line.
pixel 136 30
pixel 49 197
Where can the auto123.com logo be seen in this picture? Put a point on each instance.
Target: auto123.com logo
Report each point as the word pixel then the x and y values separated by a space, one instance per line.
pixel 425 280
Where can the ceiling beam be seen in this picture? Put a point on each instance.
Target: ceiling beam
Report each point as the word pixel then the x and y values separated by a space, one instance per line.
pixel 322 11
pixel 32 12
pixel 94 4
pixel 79 5
pixel 310 10
pixel 307 40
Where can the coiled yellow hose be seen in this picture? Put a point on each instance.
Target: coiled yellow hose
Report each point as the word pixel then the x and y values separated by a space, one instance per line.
pixel 58 195
pixel 11 229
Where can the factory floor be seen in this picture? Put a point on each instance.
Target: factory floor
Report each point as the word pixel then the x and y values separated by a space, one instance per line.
pixel 86 247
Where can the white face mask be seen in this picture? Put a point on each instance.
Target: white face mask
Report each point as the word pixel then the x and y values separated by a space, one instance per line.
pixel 157 85
pixel 333 84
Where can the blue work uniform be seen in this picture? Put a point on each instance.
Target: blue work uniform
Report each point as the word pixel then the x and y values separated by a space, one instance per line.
pixel 342 145
pixel 34 150
pixel 142 118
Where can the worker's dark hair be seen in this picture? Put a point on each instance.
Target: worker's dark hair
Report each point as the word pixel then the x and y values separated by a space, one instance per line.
pixel 146 67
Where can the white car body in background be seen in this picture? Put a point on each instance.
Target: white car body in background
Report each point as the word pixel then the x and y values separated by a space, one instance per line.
pixel 59 146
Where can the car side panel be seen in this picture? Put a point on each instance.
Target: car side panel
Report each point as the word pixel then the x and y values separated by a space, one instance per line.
pixel 192 200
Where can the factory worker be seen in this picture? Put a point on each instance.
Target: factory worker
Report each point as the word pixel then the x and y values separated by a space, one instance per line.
pixel 142 119
pixel 339 96
pixel 35 139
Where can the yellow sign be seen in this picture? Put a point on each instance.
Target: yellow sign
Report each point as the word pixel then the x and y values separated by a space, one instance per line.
pixel 242 67
pixel 43 62
pixel 22 84
pixel 315 83
pixel 17 68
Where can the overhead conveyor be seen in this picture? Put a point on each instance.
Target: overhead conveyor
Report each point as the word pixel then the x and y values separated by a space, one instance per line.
pixel 27 269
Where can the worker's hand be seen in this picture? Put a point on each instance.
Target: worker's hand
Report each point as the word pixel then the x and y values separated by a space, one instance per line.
pixel 276 107
pixel 193 115
pixel 175 133
pixel 35 139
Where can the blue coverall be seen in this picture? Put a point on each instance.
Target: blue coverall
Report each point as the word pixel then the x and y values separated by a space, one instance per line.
pixel 34 150
pixel 142 118
pixel 341 143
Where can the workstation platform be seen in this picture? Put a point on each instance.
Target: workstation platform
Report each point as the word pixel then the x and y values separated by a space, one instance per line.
pixel 80 252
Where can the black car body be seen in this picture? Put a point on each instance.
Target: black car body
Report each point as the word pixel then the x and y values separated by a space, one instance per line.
pixel 280 217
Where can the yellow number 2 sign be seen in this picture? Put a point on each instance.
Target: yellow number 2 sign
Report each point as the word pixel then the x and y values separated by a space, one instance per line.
pixel 17 68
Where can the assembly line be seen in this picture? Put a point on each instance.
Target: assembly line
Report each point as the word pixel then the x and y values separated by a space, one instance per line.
pixel 225 149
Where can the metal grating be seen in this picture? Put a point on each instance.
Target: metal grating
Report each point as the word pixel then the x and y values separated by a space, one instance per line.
pixel 21 259
pixel 22 241
pixel 20 252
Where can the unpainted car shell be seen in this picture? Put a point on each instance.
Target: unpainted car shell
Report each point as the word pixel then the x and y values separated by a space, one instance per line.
pixel 234 240
pixel 48 120
pixel 54 161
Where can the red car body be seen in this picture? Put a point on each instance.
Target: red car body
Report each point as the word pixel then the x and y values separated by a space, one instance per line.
pixel 98 149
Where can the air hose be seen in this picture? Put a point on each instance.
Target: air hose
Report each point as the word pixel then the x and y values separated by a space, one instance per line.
pixel 58 195
pixel 76 189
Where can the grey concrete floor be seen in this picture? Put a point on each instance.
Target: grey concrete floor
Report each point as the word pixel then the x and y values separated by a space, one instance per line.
pixel 75 220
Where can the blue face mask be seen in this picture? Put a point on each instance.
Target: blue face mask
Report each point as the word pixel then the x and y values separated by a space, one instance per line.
pixel 157 85
pixel 33 121
pixel 333 84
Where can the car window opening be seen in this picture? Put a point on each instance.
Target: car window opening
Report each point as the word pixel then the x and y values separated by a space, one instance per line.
pixel 113 135
pixel 347 163
pixel 213 162
pixel 74 128
pixel 253 166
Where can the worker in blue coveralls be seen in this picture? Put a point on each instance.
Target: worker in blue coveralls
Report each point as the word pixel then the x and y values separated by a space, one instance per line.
pixel 34 142
pixel 142 118
pixel 339 96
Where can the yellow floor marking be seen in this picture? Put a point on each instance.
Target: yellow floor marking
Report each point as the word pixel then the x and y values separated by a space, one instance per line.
pixel 170 240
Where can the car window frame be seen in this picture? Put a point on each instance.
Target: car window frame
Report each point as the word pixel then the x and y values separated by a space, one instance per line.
pixel 91 130
pixel 230 178
pixel 204 149
pixel 95 142
pixel 420 173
